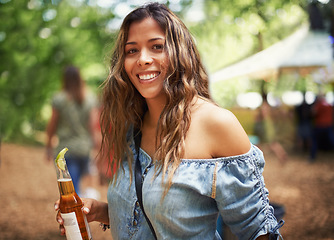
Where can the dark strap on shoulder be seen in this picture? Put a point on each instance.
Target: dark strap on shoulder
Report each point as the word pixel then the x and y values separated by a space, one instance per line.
pixel 139 179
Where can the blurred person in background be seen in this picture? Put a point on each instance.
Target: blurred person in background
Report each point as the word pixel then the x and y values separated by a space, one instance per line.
pixel 265 129
pixel 74 114
pixel 304 125
pixel 322 132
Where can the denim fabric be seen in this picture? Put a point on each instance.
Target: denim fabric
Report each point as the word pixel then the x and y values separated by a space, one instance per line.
pixel 202 188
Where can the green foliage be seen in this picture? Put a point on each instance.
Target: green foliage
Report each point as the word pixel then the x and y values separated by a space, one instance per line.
pixel 39 39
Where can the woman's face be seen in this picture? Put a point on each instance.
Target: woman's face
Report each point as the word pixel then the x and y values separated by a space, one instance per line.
pixel 146 60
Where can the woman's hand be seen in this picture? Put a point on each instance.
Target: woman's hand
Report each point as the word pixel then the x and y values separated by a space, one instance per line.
pixel 93 209
pixel 59 218
pixel 88 210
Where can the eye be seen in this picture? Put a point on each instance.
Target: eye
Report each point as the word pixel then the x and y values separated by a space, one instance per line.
pixel 158 46
pixel 131 51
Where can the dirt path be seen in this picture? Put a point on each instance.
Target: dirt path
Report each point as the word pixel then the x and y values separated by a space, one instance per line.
pixel 28 190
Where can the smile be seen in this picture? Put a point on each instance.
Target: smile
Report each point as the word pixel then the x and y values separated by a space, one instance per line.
pixel 147 76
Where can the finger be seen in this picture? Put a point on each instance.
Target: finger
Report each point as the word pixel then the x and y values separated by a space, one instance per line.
pixel 86 210
pixel 62 230
pixel 59 219
pixel 87 205
pixel 56 205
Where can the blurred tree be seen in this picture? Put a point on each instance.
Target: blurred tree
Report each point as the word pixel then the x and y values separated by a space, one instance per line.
pixel 237 29
pixel 37 39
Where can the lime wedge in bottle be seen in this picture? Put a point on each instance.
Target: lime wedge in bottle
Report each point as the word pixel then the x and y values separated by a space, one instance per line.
pixel 60 160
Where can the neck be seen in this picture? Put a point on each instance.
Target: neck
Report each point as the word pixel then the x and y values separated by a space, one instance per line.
pixel 155 108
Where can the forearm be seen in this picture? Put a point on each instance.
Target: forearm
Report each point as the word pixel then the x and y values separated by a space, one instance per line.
pixel 49 136
pixel 52 127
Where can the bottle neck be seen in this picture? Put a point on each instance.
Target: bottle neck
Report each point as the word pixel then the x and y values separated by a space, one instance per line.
pixel 65 186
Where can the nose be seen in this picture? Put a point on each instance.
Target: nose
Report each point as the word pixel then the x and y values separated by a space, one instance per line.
pixel 144 58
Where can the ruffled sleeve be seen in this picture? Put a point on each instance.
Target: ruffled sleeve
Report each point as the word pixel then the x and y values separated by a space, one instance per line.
pixel 242 198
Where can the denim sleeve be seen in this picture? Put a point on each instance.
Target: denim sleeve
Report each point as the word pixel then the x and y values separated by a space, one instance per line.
pixel 242 198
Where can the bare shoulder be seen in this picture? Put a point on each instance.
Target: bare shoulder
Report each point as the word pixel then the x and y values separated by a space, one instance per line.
pixel 222 130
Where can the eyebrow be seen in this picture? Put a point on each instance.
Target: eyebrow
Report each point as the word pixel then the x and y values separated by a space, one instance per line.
pixel 151 40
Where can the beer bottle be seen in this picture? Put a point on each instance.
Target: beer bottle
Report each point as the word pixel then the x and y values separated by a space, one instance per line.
pixel 75 222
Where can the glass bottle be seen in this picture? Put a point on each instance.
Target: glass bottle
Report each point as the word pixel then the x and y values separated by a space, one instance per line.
pixel 75 222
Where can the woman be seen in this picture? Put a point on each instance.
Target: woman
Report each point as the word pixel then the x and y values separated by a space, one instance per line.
pixel 72 120
pixel 195 157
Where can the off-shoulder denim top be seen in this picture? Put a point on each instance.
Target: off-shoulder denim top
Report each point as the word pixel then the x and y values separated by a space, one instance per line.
pixel 202 188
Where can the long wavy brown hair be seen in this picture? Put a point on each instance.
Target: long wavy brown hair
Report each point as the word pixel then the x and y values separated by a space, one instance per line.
pixel 124 106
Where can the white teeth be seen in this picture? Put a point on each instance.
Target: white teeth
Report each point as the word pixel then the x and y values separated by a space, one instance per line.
pixel 147 76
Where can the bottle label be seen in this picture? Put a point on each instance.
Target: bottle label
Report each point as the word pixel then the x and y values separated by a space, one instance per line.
pixel 71 226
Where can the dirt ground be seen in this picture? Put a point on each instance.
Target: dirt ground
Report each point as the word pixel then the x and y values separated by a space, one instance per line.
pixel 28 190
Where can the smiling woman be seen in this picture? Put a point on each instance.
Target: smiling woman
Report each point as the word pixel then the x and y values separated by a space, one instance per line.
pixel 180 159
pixel 145 58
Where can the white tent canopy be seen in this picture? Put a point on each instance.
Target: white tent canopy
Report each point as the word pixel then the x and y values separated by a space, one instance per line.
pixel 304 50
